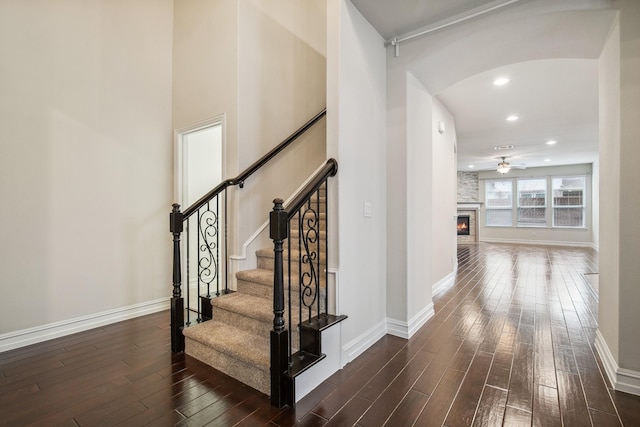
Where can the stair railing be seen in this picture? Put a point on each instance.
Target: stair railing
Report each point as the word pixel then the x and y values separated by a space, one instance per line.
pixel 299 233
pixel 208 217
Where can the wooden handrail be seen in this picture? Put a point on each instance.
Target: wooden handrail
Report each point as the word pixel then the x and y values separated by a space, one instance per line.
pixel 239 180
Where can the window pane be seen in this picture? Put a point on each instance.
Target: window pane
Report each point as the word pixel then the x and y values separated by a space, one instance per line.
pixel 499 217
pixel 568 201
pixel 532 216
pixel 568 217
pixel 532 199
pixel 499 202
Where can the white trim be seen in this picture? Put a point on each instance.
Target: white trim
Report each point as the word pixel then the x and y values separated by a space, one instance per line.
pixel 397 328
pixel 625 380
pixel 179 148
pixel 446 281
pixel 17 339
pixel 406 330
pixel 537 242
pixel 358 345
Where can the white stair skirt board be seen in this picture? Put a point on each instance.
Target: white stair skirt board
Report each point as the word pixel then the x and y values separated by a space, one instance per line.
pixel 407 329
pixel 13 340
pixel 314 376
pixel 622 379
pixel 258 239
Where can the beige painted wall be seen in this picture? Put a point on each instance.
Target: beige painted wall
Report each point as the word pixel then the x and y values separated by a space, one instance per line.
pixel 281 85
pixel 264 68
pixel 85 157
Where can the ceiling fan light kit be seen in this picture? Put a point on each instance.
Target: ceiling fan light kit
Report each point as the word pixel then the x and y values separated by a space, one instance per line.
pixel 503 166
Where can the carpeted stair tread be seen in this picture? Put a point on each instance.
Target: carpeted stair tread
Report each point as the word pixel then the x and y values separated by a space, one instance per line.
pixel 235 342
pixel 257 275
pixel 263 277
pixel 248 305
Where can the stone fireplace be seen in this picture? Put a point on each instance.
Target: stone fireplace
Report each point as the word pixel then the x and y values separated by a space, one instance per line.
pixel 467 223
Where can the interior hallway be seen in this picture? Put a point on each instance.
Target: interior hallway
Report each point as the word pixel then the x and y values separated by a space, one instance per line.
pixel 510 344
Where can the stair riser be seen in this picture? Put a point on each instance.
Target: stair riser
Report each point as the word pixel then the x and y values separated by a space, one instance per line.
pixel 251 375
pixel 266 292
pixel 267 263
pixel 256 326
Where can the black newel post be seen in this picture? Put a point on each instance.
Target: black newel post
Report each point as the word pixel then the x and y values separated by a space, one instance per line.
pixel 177 303
pixel 281 394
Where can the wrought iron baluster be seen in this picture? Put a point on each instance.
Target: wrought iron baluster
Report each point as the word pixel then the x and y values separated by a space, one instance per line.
pixel 226 245
pixel 318 249
pixel 326 248
pixel 188 281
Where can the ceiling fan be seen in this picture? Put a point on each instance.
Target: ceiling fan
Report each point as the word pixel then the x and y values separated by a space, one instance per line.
pixel 504 166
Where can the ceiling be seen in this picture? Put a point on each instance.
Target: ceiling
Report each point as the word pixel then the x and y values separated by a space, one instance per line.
pixel 555 97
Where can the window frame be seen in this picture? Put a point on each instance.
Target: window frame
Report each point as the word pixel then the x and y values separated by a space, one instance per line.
pixel 583 206
pixel 487 208
pixel 549 205
pixel 520 223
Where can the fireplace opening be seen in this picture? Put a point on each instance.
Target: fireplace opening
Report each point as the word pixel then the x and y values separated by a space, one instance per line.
pixel 463 225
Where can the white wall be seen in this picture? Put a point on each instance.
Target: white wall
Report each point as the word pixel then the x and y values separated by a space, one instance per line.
pixel 421 197
pixel 419 210
pixel 356 102
pixel 444 194
pixel 629 179
pixel 617 339
pixel 609 109
pixel 85 158
pixel 540 235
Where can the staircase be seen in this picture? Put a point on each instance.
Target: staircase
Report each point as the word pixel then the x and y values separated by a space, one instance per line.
pixel 236 341
pixel 268 332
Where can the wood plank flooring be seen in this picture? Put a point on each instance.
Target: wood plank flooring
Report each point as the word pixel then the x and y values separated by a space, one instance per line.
pixel 511 343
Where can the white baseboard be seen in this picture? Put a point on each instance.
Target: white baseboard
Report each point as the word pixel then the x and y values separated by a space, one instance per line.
pixel 538 242
pixel 17 339
pixel 446 281
pixel 406 330
pixel 622 379
pixel 358 345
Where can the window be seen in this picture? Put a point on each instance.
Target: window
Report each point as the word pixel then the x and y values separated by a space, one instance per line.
pixel 499 202
pixel 568 201
pixel 532 202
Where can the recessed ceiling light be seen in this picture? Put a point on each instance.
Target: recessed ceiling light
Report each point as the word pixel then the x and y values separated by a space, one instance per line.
pixel 471 166
pixel 551 142
pixel 512 118
pixel 547 160
pixel 500 81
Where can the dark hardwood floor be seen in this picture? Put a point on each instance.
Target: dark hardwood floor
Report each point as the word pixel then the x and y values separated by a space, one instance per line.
pixel 511 344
